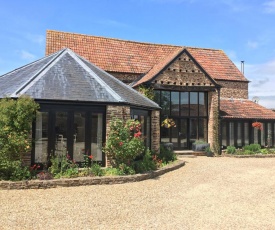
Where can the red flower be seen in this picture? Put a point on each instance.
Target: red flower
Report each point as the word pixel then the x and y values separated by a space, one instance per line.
pixel 91 157
pixel 138 134
pixel 120 143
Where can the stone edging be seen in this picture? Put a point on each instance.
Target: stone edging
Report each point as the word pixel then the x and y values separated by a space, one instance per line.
pixel 81 181
pixel 249 156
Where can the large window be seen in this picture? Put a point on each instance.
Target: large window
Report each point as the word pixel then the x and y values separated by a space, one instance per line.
pixel 144 117
pixel 70 130
pixel 240 133
pixel 189 112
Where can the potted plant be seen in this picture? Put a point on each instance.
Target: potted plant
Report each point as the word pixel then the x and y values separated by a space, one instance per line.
pixel 199 145
pixel 168 123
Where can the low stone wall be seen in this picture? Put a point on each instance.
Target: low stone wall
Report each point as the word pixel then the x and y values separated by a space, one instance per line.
pixel 249 156
pixel 81 181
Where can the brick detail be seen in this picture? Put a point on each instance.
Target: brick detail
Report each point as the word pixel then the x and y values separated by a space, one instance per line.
pixel 213 123
pixel 183 72
pixel 234 89
pixel 125 77
pixel 155 130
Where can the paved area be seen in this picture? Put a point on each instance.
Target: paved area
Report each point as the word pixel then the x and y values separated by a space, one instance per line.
pixel 207 193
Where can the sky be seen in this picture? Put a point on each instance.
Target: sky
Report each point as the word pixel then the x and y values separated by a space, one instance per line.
pixel 243 29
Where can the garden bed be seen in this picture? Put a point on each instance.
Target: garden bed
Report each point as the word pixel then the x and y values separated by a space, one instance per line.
pixel 257 155
pixel 81 181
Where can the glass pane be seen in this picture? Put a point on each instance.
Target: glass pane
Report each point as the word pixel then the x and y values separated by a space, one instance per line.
pixel 202 104
pixel 193 130
pixel 175 103
pixel 41 137
pixel 183 133
pixel 165 103
pixel 231 134
pixel 263 137
pixel 96 141
pixel 61 133
pixel 269 134
pixel 256 131
pixel 79 136
pixel 202 130
pixel 164 133
pixel 193 104
pixel 157 96
pixel 239 134
pixel 224 136
pixel 184 104
pixel 175 135
pixel 148 132
pixel 246 133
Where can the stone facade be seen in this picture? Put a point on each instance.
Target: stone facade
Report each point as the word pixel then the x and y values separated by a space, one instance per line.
pixel 155 130
pixel 213 122
pixel 234 89
pixel 183 72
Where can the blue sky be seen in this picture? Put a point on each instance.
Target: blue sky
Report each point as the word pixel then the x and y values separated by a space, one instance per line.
pixel 244 29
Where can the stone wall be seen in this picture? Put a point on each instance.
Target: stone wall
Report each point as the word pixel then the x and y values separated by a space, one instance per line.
pixel 234 89
pixel 155 130
pixel 213 123
pixel 183 72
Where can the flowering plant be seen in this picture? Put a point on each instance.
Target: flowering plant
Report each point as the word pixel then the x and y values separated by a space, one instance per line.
pixel 257 125
pixel 168 123
pixel 125 141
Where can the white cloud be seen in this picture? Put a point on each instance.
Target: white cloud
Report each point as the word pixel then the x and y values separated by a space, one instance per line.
pixel 262 77
pixel 27 55
pixel 269 7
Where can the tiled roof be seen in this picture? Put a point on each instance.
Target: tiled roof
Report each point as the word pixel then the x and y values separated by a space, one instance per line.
pixel 115 55
pixel 244 109
pixel 69 77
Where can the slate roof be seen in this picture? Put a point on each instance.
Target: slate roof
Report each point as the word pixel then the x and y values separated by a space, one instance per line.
pixel 115 55
pixel 67 76
pixel 244 109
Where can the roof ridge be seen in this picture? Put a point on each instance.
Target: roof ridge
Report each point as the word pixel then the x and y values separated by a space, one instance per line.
pixel 131 41
pixel 31 81
pixel 29 64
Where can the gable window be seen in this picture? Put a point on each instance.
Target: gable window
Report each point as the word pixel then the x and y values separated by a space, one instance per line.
pixel 189 112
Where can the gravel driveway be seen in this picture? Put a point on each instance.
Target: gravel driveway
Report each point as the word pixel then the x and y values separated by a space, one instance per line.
pixel 207 193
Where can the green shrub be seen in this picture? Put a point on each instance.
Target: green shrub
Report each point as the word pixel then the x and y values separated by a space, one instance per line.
pixel 96 170
pixel 16 118
pixel 166 155
pixel 253 147
pixel 146 164
pixel 124 169
pixel 230 149
pixel 63 166
pixel 14 170
pixel 111 172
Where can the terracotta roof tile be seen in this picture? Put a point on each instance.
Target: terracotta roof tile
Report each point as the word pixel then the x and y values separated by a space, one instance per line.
pixel 244 108
pixel 117 55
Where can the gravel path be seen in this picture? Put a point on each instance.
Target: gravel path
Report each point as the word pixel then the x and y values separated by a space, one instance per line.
pixel 207 193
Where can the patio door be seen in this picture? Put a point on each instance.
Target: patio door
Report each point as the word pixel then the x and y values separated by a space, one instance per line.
pixel 179 134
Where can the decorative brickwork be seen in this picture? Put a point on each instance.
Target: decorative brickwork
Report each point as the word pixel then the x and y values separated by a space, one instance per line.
pixel 234 89
pixel 155 130
pixel 213 123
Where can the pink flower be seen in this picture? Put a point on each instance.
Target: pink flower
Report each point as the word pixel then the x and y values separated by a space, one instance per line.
pixel 120 143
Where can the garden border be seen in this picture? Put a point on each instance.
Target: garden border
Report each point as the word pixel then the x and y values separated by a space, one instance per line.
pixel 249 156
pixel 83 181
